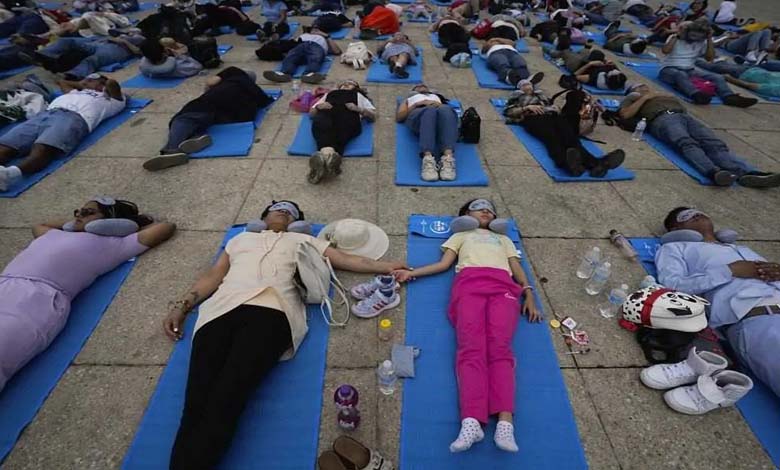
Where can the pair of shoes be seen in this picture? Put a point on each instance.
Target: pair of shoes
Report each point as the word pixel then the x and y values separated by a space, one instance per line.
pixel 400 72
pixel 759 179
pixel 444 171
pixel 739 101
pixel 471 432
pixel 171 158
pixel 723 177
pixel 384 296
pixel 366 289
pixel 610 161
pixel 756 57
pixel 349 454
pixel 322 165
pixel 712 385
pixel 276 77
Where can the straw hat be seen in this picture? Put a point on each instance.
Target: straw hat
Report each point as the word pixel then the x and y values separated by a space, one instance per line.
pixel 356 237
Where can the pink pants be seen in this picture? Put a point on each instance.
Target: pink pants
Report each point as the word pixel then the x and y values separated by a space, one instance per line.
pixel 484 309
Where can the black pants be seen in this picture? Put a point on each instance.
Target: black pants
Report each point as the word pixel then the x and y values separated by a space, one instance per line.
pixel 450 33
pixel 504 32
pixel 282 29
pixel 558 134
pixel 276 50
pixel 230 355
pixel 335 128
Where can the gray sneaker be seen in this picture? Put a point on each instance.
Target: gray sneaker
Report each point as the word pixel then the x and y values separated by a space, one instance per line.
pixel 429 170
pixel 447 171
pixel 333 164
pixel 166 161
pixel 317 168
pixel 196 144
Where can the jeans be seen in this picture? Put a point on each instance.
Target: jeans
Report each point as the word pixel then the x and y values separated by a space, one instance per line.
pixel 697 143
pixel 756 343
pixel 503 61
pixel 437 128
pixel 185 126
pixel 680 80
pixel 596 18
pixel 101 53
pixel 9 58
pixel 757 41
pixel 27 23
pixel 308 53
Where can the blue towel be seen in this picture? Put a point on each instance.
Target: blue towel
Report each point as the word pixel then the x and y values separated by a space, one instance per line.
pixel 25 393
pixel 293 28
pixel 117 65
pixel 601 40
pixel 419 19
pixel 299 71
pixel 544 422
pixel 12 72
pixel 486 77
pixel 760 407
pixel 407 160
pixel 650 71
pixel 280 426
pixel 235 139
pixel 303 144
pixel 133 106
pixel 537 150
pixel 437 44
pixel 142 81
pixel 379 72
pixel 589 88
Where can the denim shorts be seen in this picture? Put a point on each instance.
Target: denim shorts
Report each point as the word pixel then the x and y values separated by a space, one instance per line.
pixel 58 128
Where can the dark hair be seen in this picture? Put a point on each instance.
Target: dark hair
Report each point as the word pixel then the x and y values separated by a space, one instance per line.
pixel 153 50
pixel 124 210
pixel 464 209
pixel 671 218
pixel 638 47
pixel 616 81
pixel 596 55
pixel 273 201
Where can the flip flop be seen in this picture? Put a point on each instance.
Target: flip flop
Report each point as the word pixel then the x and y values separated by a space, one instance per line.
pixel 356 456
pixel 329 460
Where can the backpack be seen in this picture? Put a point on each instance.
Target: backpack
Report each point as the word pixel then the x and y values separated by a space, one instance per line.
pixel 204 50
pixel 357 55
pixel 314 278
pixel 470 123
pixel 580 109
pixel 482 29
pixel 612 118
pixel 304 101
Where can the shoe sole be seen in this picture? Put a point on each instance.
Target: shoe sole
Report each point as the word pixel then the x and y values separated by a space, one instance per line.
pixel 725 180
pixel 333 165
pixel 313 79
pixel 376 313
pixel 195 145
pixel 166 161
pixel 753 181
pixel 316 169
pixel 447 178
pixel 276 78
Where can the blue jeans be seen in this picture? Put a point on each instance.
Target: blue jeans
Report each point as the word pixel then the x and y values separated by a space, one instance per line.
pixel 185 126
pixel 697 143
pixel 437 128
pixel 756 41
pixel 27 23
pixel 597 18
pixel 735 70
pixel 756 343
pixel 308 53
pixel 680 80
pixel 9 58
pixel 101 53
pixel 504 60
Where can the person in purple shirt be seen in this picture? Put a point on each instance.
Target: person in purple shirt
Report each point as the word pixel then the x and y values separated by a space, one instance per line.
pixel 64 258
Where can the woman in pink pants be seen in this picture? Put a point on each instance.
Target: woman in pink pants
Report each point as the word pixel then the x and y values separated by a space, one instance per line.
pixel 484 309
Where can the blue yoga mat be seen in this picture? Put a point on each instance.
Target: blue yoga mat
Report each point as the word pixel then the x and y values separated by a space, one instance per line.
pixel 419 19
pixel 340 34
pixel 589 88
pixel 235 139
pixel 142 81
pixel 12 72
pixel 437 44
pixel 650 71
pixel 293 28
pixel 760 407
pixel 537 150
pixel 299 71
pixel 544 422
pixel 601 40
pixel 133 106
pixel 407 160
pixel 379 72
pixel 117 65
pixel 303 144
pixel 381 37
pixel 402 2
pixel 25 393
pixel 486 78
pixel 280 426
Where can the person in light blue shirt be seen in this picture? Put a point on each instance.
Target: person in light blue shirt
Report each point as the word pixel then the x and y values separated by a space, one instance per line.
pixel 742 287
pixel 275 13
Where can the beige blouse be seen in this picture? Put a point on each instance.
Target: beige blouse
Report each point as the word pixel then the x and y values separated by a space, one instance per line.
pixel 262 268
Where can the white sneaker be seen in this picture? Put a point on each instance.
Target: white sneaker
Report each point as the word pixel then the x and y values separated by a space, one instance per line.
pixel 470 433
pixel 717 41
pixel 376 304
pixel 429 171
pixel 364 290
pixel 720 390
pixel 761 57
pixel 751 56
pixel 447 171
pixel 8 176
pixel 666 376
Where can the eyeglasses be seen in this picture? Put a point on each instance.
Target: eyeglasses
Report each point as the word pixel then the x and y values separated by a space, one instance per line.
pixel 85 212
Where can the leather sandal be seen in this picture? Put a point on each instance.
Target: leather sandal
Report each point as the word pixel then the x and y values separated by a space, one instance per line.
pixel 329 460
pixel 356 456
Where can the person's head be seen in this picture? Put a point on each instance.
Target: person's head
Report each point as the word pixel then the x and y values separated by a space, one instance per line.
pixel 153 51
pixel 105 207
pixel 94 81
pixel 597 55
pixel 698 5
pixel 695 31
pixel 690 219
pixel 637 87
pixel 400 37
pixel 615 79
pixel 280 214
pixel 525 87
pixel 638 46
pixel 481 209
pixel 421 88
pixel 349 85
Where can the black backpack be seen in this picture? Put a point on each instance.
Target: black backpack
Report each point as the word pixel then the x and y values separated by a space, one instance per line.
pixel 470 123
pixel 204 50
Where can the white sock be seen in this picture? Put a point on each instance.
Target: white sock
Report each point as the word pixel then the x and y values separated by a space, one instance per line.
pixel 505 436
pixel 13 172
pixel 470 432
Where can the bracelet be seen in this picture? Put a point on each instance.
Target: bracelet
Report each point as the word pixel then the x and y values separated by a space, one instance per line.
pixel 525 288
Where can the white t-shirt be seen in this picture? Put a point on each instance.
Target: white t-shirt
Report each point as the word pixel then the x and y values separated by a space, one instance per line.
pixel 498 23
pixel 420 97
pixel 316 38
pixel 631 3
pixel 93 106
pixel 726 12
pixel 362 101
pixel 499 47
pixel 684 54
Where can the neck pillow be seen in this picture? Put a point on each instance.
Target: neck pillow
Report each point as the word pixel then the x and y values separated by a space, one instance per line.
pixel 106 227
pixel 685 235
pixel 299 226
pixel 466 222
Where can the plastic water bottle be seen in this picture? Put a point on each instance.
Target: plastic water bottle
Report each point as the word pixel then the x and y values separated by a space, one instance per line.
pixel 648 281
pixel 615 299
pixel 386 377
pixel 599 278
pixel 296 87
pixel 623 244
pixel 589 262
pixel 357 22
pixel 639 130
pixel 385 329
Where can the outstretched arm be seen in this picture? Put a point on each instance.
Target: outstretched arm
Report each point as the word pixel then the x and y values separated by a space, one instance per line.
pixel 529 303
pixel 446 261
pixel 360 264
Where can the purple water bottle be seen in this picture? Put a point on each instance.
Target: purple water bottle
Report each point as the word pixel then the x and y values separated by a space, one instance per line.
pixel 346 396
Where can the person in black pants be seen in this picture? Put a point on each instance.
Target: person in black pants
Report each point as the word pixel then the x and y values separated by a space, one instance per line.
pixel 450 31
pixel 336 119
pixel 247 325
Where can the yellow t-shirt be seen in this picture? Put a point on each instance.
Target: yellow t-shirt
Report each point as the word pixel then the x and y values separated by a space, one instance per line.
pixel 481 248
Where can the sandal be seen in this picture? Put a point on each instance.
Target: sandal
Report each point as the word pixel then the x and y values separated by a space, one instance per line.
pixel 356 456
pixel 329 460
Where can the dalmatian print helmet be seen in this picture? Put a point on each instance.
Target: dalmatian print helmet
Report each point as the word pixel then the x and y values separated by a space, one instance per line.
pixel 661 308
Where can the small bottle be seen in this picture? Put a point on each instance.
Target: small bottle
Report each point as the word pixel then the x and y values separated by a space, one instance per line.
pixel 639 130
pixel 346 396
pixel 599 279
pixel 348 419
pixel 296 86
pixel 589 262
pixel 615 299
pixel 385 329
pixel 386 377
pixel 648 281
pixel 356 21
pixel 623 244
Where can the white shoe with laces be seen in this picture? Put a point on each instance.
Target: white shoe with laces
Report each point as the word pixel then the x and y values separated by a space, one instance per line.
pixel 720 390
pixel 470 433
pixel 666 376
pixel 447 171
pixel 376 304
pixel 365 289
pixel 429 170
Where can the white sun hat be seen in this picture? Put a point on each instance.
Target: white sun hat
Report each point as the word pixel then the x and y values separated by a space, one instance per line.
pixel 356 237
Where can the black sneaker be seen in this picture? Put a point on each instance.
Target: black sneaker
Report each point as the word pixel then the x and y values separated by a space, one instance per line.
pixel 536 78
pixel 608 162
pixel 759 179
pixel 166 161
pixel 277 77
pixel 400 72
pixel 196 144
pixel 312 78
pixel 722 177
pixel 739 101
pixel 701 98
pixel 574 162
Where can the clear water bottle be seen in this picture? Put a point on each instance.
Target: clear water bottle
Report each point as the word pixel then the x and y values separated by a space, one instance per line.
pixel 615 299
pixel 599 278
pixel 296 87
pixel 648 281
pixel 589 263
pixel 639 131
pixel 623 244
pixel 386 377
